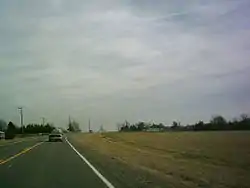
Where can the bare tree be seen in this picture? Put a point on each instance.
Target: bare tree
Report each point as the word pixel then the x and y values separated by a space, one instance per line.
pixel 216 120
pixel 244 117
pixel 3 125
pixel 119 126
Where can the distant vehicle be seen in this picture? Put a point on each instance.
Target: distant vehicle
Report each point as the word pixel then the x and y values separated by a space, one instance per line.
pixel 55 136
pixel 57 130
pixel 2 135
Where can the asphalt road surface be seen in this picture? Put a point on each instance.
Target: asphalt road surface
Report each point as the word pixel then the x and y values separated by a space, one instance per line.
pixel 36 163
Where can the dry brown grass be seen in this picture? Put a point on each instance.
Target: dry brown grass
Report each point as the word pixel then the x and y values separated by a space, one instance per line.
pixel 4 142
pixel 181 159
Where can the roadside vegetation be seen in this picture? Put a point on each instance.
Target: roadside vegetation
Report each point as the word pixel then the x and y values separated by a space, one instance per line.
pixel 73 127
pixel 216 123
pixel 11 130
pixel 170 159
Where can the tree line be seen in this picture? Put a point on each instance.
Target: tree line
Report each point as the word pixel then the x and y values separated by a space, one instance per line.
pixel 11 130
pixel 73 127
pixel 216 123
pixel 36 128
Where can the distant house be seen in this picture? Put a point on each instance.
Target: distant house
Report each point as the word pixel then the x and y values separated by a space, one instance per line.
pixel 154 129
pixel 2 135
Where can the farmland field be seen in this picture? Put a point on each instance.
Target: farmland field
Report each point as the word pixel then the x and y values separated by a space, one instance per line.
pixel 171 159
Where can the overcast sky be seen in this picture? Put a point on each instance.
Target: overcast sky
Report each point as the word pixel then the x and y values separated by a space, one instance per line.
pixel 149 60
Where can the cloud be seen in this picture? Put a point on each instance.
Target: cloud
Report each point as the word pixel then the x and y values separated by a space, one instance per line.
pixel 121 60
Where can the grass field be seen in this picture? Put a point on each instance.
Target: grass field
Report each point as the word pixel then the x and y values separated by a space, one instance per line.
pixel 175 159
pixel 18 139
pixel 10 141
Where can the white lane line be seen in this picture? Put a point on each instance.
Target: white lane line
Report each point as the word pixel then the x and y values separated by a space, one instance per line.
pixel 109 185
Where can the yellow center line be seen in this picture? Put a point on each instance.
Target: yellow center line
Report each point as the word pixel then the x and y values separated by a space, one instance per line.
pixel 20 153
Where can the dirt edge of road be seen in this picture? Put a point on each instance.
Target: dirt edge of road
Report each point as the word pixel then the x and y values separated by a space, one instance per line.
pixel 117 171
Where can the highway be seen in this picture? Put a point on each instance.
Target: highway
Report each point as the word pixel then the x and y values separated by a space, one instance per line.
pixel 36 163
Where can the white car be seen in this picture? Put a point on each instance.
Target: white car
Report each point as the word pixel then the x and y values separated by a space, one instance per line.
pixel 55 137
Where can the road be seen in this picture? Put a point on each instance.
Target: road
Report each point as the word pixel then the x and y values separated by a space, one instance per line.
pixel 37 163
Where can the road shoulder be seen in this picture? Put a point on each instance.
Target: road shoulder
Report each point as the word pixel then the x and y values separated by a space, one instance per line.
pixel 117 171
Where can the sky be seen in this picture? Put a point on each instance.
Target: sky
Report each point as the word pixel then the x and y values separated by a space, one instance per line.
pixel 116 60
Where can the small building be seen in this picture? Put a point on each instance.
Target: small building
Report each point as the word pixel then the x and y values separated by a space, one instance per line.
pixel 154 129
pixel 2 135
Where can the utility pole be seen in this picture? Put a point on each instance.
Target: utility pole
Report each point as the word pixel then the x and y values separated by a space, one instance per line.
pixel 21 116
pixel 101 129
pixel 69 120
pixel 43 120
pixel 69 124
pixel 89 125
